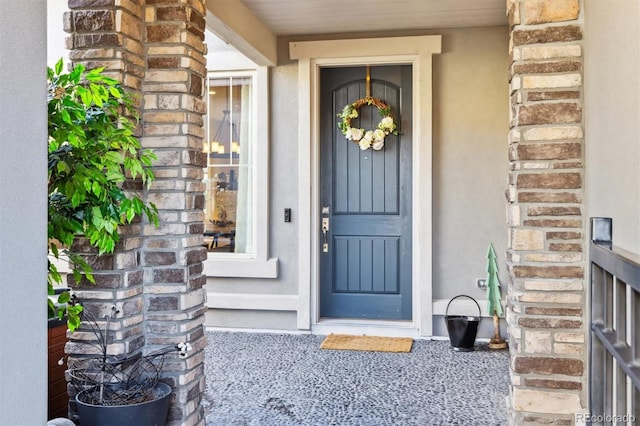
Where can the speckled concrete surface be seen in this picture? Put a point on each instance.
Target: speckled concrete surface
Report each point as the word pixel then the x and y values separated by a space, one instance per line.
pixel 278 379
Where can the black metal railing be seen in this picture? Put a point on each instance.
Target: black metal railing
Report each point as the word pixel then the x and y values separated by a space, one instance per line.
pixel 615 327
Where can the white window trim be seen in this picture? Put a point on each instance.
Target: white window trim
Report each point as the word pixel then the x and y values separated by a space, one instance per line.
pixel 257 264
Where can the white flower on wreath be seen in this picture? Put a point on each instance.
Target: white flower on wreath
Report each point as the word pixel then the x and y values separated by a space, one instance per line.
pixel 354 134
pixel 368 135
pixel 386 125
pixel 378 145
pixel 378 139
pixel 366 141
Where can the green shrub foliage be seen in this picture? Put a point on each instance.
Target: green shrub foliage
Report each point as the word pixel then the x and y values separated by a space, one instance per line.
pixel 93 158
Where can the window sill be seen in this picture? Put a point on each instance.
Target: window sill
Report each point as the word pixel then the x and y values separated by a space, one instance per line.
pixel 241 268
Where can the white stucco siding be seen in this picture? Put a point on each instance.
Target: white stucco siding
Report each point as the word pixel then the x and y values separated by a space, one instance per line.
pixel 266 303
pixel 23 212
pixel 56 45
pixel 470 158
pixel 612 117
pixel 470 125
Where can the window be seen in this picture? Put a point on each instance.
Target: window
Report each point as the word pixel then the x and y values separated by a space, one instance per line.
pixel 229 176
pixel 236 176
pixel 236 215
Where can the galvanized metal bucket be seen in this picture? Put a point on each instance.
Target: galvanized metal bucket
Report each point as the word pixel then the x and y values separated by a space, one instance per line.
pixel 462 328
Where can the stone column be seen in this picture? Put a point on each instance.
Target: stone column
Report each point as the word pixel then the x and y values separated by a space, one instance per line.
pixel 172 257
pixel 546 252
pixel 108 34
pixel 156 48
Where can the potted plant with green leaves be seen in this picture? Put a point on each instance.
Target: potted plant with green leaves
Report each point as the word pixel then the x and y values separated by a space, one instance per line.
pixel 119 390
pixel 96 168
pixel 92 155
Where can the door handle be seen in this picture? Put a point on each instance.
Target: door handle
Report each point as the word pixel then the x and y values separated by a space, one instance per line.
pixel 325 229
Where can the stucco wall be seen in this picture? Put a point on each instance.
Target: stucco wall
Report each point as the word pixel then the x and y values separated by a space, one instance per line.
pixel 470 168
pixel 612 111
pixel 470 158
pixel 23 213
pixel 56 47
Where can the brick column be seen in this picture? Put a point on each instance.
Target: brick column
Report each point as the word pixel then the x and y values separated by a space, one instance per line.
pixel 546 259
pixel 172 114
pixel 156 48
pixel 108 34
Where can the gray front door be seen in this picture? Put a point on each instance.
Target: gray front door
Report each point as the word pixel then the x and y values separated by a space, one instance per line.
pixel 365 267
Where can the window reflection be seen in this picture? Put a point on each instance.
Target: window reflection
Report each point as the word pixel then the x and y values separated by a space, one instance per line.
pixel 229 173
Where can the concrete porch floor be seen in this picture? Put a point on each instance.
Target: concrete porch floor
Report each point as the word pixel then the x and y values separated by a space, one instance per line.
pixel 282 379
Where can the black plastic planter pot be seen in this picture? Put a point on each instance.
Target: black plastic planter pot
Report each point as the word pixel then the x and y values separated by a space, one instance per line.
pixel 462 329
pixel 148 413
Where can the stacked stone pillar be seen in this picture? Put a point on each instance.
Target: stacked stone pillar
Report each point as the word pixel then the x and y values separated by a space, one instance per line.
pixel 103 34
pixel 546 253
pixel 156 49
pixel 173 253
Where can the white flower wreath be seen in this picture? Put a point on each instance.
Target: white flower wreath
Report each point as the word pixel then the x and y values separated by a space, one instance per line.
pixel 369 138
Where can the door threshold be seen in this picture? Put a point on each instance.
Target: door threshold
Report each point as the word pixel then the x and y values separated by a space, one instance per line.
pixel 383 328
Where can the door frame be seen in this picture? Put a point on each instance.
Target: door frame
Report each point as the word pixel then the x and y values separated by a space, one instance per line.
pixel 416 51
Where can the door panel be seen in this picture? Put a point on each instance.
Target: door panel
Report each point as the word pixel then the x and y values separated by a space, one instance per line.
pixel 366 272
pixel 368 183
pixel 370 264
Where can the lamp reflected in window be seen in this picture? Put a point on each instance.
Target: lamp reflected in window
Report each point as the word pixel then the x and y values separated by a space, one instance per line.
pixel 229 145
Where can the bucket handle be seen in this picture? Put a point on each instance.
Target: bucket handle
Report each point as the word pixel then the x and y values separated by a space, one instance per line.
pixel 463 295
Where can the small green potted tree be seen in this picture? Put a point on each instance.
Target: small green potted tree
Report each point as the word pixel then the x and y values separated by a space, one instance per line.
pixel 494 299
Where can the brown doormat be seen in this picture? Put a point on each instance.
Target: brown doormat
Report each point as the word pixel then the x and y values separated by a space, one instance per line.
pixel 367 343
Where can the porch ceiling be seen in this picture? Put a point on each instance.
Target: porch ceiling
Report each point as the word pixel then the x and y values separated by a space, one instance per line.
pixel 297 17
